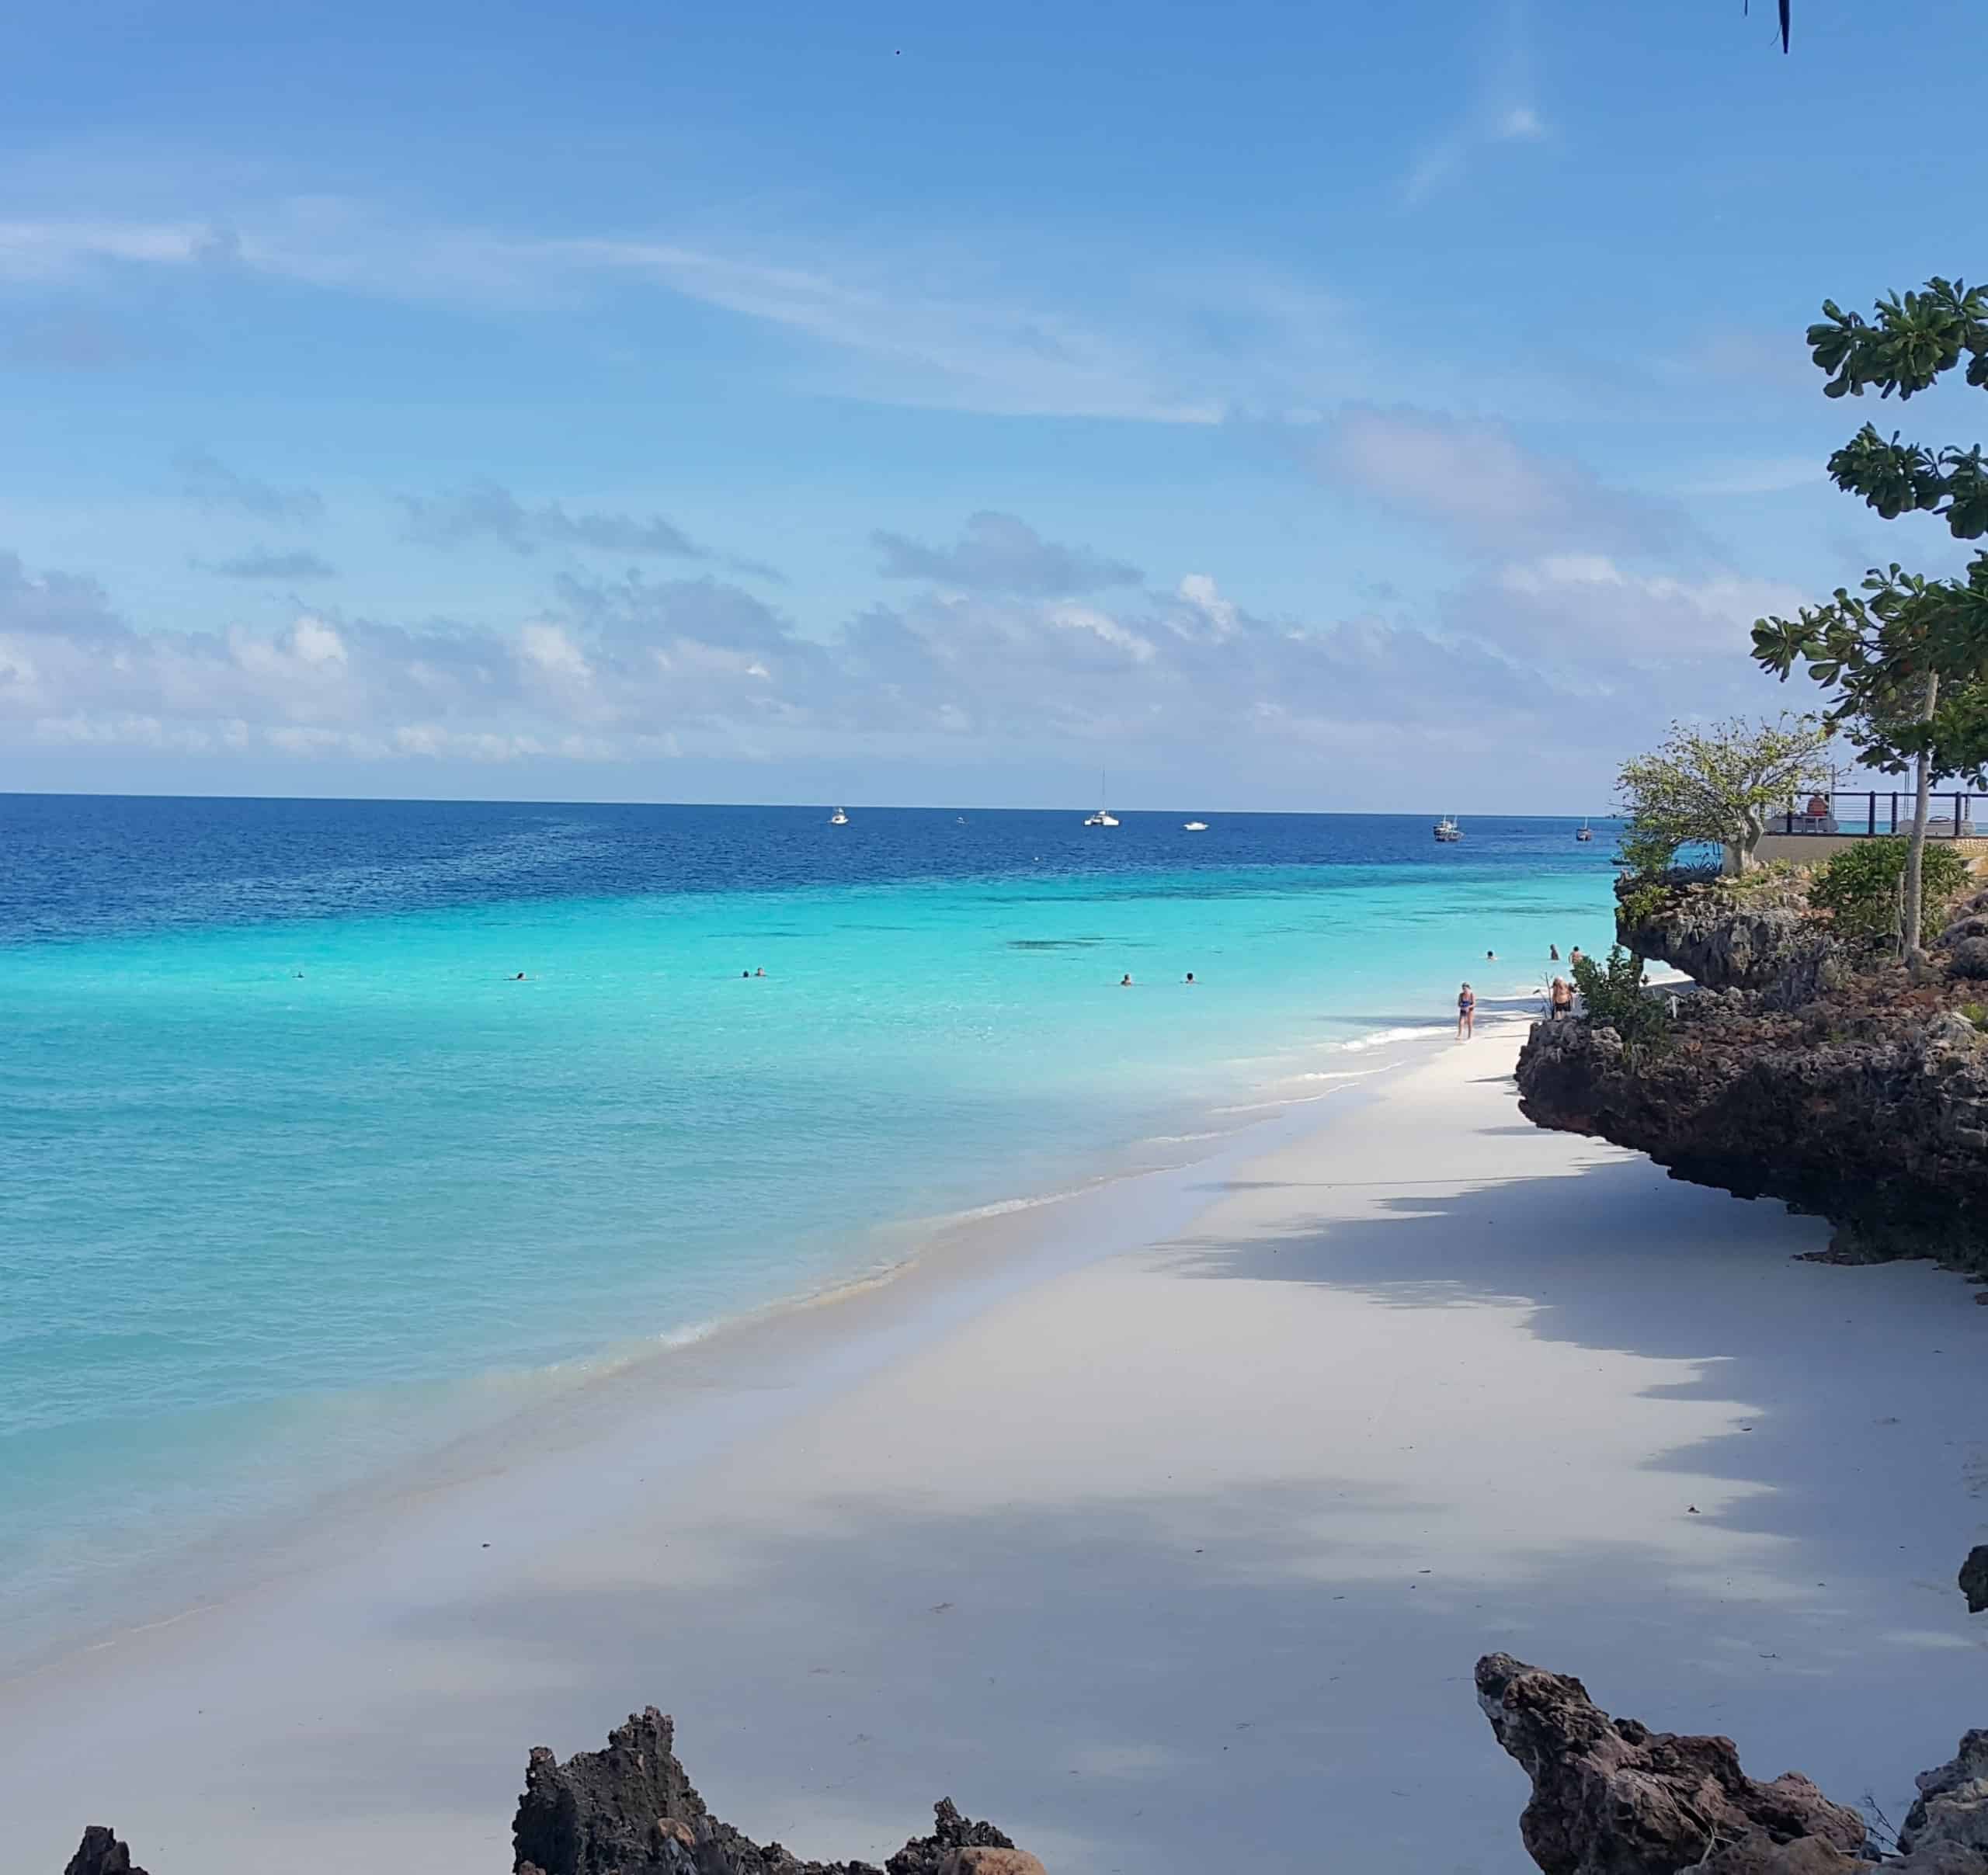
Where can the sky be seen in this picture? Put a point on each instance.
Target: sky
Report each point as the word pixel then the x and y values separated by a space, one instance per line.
pixel 1267 405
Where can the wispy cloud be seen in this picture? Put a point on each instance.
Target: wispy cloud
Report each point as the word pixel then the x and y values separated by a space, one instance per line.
pixel 488 512
pixel 1000 553
pixel 932 329
pixel 262 564
pixel 1506 111
pixel 207 479
pixel 1480 488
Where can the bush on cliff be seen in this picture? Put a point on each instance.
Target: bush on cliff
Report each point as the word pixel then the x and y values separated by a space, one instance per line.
pixel 1859 887
pixel 1612 996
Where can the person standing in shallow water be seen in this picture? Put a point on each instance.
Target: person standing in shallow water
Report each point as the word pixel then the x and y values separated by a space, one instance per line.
pixel 1466 1013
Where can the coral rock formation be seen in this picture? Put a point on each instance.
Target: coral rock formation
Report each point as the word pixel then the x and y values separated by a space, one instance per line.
pixel 101 1853
pixel 630 1809
pixel 1846 1087
pixel 1611 1797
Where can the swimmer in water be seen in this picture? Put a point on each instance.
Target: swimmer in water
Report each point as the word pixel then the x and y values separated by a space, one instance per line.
pixel 760 972
pixel 520 977
pixel 1126 981
pixel 1553 953
pixel 1191 976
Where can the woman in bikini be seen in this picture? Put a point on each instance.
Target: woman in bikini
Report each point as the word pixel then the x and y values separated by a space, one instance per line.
pixel 1466 1013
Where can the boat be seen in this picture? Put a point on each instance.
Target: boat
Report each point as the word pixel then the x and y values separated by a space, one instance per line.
pixel 1446 829
pixel 1103 816
pixel 1583 831
pixel 839 818
pixel 1195 826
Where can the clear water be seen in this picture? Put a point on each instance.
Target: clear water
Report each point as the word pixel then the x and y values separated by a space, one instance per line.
pixel 299 1179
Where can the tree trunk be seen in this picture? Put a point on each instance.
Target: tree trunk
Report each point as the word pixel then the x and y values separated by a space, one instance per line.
pixel 1915 856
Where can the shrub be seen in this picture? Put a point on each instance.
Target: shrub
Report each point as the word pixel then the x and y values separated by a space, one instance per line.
pixel 1612 996
pixel 1859 886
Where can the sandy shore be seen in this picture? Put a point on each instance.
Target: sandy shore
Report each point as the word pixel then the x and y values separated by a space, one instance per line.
pixel 1173 1559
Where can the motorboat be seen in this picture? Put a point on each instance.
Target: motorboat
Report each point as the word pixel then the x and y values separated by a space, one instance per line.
pixel 1447 829
pixel 839 818
pixel 1195 826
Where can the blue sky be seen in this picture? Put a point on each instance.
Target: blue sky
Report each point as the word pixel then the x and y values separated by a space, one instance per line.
pixel 1279 405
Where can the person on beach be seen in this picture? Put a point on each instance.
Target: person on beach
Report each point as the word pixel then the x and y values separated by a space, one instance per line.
pixel 1466 1013
pixel 1563 997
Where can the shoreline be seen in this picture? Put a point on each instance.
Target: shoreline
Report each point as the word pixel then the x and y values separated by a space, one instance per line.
pixel 765 1543
pixel 953 1260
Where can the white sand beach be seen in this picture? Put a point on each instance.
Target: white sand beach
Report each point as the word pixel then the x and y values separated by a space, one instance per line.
pixel 1172 1558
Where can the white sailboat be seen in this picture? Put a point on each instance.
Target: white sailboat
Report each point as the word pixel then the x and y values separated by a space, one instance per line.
pixel 1447 829
pixel 839 818
pixel 1103 816
pixel 1583 831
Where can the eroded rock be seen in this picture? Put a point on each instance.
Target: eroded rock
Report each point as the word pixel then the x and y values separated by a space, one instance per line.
pixel 631 1810
pixel 1611 1797
pixel 1974 1571
pixel 101 1853
pixel 1950 1811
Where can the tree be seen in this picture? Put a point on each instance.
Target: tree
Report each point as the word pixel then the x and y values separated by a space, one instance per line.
pixel 1718 784
pixel 1913 342
pixel 1890 655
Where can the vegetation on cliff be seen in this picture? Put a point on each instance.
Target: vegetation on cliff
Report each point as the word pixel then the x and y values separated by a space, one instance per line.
pixel 1907 659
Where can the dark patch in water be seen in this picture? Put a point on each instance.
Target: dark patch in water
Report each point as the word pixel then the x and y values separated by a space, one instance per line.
pixel 1055 943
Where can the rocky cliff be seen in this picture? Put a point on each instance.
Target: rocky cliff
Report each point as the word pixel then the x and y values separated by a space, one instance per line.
pixel 1839 1084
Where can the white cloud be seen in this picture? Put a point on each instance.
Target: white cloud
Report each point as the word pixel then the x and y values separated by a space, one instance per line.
pixel 1484 490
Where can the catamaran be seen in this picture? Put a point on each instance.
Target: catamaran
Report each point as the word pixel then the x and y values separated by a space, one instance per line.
pixel 1446 829
pixel 1103 816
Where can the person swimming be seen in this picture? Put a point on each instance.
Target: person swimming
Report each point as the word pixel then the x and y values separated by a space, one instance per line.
pixel 1191 976
pixel 520 977
pixel 761 971
pixel 1553 954
pixel 1126 981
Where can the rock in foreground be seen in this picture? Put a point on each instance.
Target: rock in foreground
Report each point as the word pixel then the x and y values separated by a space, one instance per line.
pixel 630 1809
pixel 1611 1797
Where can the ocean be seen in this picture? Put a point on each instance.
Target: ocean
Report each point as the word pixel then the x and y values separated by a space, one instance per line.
pixel 303 1178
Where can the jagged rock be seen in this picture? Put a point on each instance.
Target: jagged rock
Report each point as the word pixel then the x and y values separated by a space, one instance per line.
pixel 990 1861
pixel 1974 1571
pixel 631 1810
pixel 1969 958
pixel 1611 1797
pixel 1758 1853
pixel 101 1853
pixel 1950 1811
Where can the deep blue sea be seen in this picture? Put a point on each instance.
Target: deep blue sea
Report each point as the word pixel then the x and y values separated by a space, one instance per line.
pixel 300 1178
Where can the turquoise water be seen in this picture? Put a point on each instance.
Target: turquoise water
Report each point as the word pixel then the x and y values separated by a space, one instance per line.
pixel 300 1180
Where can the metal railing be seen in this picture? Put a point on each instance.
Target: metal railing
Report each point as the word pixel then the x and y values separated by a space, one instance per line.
pixel 1860 813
